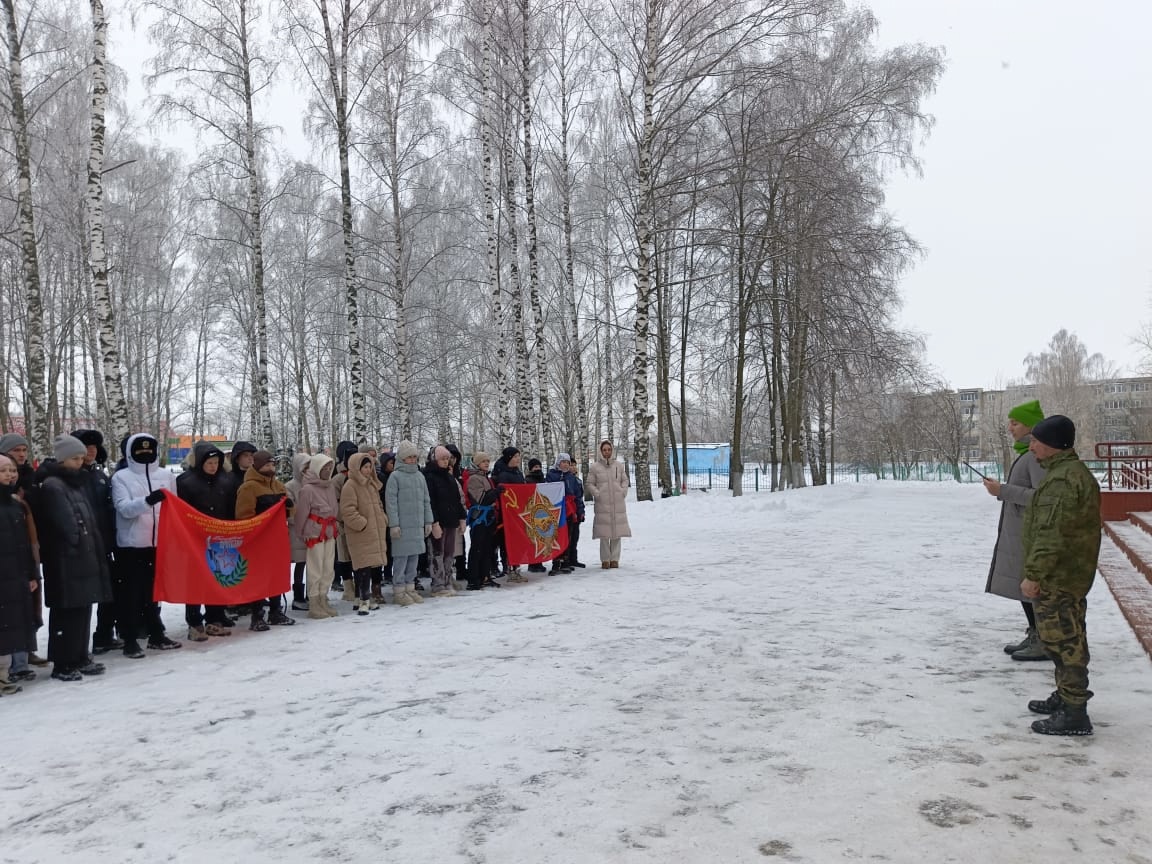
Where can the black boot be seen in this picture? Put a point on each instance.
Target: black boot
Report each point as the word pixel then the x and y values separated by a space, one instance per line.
pixel 1047 706
pixel 1068 720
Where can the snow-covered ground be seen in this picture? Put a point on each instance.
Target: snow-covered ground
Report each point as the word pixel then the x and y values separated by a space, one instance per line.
pixel 809 676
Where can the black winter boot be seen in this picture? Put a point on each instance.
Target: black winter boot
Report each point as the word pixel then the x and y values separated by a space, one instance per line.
pixel 1047 706
pixel 1069 720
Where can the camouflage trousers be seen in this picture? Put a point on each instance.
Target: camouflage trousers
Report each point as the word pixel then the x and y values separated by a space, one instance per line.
pixel 1060 626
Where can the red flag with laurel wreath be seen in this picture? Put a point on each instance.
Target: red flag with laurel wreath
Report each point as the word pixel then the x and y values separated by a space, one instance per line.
pixel 220 562
pixel 535 525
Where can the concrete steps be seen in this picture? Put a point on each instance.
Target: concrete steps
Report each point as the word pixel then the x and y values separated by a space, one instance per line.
pixel 1126 565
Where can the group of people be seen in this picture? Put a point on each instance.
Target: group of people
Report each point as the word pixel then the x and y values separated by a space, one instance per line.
pixel 1045 557
pixel 75 536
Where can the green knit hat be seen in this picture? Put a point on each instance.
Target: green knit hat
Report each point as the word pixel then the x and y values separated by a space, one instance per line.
pixel 1028 414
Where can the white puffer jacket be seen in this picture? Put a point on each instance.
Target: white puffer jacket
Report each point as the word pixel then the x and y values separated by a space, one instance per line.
pixel 135 518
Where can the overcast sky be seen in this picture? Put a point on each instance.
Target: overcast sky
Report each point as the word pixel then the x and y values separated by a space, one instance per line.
pixel 1035 204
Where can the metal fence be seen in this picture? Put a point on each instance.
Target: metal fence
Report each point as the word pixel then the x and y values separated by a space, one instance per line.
pixel 759 478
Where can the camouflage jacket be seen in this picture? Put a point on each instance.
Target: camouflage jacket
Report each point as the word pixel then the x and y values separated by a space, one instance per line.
pixel 1062 526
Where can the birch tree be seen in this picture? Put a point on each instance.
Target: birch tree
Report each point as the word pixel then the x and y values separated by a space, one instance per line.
pixel 117 408
pixel 36 424
pixel 212 54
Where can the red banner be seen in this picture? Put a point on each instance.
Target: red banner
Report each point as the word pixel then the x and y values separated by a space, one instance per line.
pixel 220 562
pixel 535 526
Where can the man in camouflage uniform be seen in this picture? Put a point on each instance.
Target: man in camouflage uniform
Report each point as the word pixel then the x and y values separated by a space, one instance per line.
pixel 1061 544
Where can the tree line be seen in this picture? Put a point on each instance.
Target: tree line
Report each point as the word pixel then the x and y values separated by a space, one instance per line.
pixel 545 222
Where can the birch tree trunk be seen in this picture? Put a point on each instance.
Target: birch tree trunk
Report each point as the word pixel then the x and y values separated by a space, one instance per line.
pixel 256 231
pixel 503 396
pixel 524 419
pixel 36 426
pixel 645 202
pixel 580 443
pixel 548 438
pixel 115 406
pixel 338 80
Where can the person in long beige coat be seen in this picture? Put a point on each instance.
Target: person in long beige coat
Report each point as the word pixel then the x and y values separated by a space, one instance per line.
pixel 365 527
pixel 608 483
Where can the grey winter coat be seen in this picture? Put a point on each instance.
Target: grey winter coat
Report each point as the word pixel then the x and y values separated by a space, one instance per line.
pixel 299 463
pixel 409 509
pixel 1008 557
pixel 608 482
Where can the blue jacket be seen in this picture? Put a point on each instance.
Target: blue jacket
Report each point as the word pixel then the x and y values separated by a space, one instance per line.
pixel 572 487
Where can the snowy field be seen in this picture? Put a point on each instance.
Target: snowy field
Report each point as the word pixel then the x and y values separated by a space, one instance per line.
pixel 811 676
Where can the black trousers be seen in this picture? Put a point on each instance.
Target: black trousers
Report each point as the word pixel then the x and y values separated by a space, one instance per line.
pixel 480 555
pixel 573 540
pixel 108 615
pixel 198 615
pixel 137 568
pixel 69 630
pixel 364 578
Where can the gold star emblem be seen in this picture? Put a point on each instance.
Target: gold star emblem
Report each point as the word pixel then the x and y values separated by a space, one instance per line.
pixel 541 523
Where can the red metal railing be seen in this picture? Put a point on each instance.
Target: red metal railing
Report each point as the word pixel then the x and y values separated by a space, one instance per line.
pixel 1127 464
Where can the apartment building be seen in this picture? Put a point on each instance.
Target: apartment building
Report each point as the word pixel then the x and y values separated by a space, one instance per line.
pixel 1116 409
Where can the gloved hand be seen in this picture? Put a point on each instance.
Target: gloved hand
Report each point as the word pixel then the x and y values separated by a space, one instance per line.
pixel 427 529
pixel 395 529
pixel 155 497
pixel 437 531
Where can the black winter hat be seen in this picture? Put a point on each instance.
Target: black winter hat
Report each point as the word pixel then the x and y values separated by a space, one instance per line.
pixel 1056 431
pixel 534 463
pixel 93 438
pixel 344 451
pixel 508 452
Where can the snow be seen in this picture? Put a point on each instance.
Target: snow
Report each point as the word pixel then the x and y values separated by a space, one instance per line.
pixel 807 676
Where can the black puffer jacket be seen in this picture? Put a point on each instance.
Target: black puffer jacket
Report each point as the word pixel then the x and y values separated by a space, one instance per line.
pixel 211 494
pixel 17 612
pixel 98 488
pixel 444 493
pixel 71 549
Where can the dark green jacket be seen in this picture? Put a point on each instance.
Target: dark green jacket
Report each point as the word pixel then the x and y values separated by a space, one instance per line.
pixel 1062 527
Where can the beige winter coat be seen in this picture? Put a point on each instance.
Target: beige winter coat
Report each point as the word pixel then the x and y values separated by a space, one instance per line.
pixel 365 524
pixel 608 483
pixel 299 465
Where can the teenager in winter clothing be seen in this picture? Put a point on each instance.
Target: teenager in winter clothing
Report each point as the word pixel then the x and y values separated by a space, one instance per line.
pixel 98 488
pixel 409 512
pixel 562 472
pixel 239 461
pixel 608 482
pixel 507 471
pixel 448 517
pixel 535 475
pixel 261 491
pixel 483 515
pixel 205 487
pixel 1015 492
pixel 138 494
pixel 315 524
pixel 387 463
pixel 15 447
pixel 75 561
pixel 19 577
pixel 299 549
pixel 344 580
pixel 456 467
pixel 367 528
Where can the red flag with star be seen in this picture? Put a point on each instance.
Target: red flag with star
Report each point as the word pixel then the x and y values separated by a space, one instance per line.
pixel 535 525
